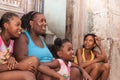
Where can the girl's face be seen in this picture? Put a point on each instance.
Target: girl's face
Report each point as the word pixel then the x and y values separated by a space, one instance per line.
pixel 67 52
pixel 39 24
pixel 13 27
pixel 89 42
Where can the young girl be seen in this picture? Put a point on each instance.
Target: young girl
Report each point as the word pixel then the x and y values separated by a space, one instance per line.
pixel 63 52
pixel 10 69
pixel 95 63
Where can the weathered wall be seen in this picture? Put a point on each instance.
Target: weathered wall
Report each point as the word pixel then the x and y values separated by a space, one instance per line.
pixel 19 7
pixel 102 18
pixel 55 12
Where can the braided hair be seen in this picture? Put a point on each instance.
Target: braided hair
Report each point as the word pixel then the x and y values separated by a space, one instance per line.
pixel 6 18
pixel 58 44
pixel 26 18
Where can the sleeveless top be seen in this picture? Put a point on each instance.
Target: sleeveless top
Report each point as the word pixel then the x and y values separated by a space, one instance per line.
pixel 83 57
pixel 64 69
pixel 5 50
pixel 42 53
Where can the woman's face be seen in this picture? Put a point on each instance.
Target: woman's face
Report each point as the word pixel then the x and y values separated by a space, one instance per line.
pixel 13 27
pixel 39 24
pixel 89 42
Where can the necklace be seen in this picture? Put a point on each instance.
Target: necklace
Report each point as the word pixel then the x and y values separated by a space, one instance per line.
pixel 83 56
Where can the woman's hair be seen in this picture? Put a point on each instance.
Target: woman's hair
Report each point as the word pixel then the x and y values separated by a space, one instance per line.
pixel 90 34
pixel 26 19
pixel 58 43
pixel 6 18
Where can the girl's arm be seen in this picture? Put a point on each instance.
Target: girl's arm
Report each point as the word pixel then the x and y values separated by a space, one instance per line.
pixel 79 59
pixel 102 50
pixel 4 67
pixel 46 69
pixel 84 73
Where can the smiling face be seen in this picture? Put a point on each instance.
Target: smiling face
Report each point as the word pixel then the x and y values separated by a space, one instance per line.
pixel 89 42
pixel 13 27
pixel 38 24
pixel 67 52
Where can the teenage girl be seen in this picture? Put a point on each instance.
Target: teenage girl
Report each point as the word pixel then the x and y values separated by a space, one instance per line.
pixel 94 62
pixel 10 69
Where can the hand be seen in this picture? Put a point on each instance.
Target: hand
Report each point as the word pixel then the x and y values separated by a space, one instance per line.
pixel 61 78
pixel 11 63
pixel 26 66
pixel 86 76
pixel 98 41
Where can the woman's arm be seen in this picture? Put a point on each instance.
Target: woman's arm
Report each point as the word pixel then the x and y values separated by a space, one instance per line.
pixel 53 64
pixel 46 69
pixel 21 48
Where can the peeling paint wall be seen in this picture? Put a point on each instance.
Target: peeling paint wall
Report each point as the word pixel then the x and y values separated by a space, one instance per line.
pixel 55 12
pixel 102 18
pixel 105 15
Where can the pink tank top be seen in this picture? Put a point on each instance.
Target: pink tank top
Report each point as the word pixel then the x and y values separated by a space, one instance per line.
pixel 5 51
pixel 3 47
pixel 64 69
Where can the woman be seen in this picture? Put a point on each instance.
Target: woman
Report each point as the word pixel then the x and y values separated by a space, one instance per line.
pixel 35 25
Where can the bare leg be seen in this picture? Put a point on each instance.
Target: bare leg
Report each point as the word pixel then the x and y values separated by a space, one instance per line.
pixel 105 68
pixel 17 75
pixel 42 76
pixel 93 70
pixel 75 74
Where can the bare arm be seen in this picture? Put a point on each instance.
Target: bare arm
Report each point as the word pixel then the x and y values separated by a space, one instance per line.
pixel 80 61
pixel 84 73
pixel 4 67
pixel 21 48
pixel 98 58
pixel 102 50
pixel 53 64
pixel 46 69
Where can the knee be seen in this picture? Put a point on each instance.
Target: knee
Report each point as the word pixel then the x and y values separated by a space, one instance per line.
pixel 75 73
pixel 29 76
pixel 75 70
pixel 96 66
pixel 106 66
pixel 35 61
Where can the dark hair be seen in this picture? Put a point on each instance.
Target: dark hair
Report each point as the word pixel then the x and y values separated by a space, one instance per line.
pixel 90 34
pixel 58 43
pixel 6 18
pixel 26 19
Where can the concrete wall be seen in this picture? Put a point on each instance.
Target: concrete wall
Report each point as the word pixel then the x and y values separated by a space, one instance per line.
pixel 102 18
pixel 22 7
pixel 55 12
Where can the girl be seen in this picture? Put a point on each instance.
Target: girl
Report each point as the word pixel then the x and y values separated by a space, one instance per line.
pixel 63 52
pixel 91 59
pixel 10 69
